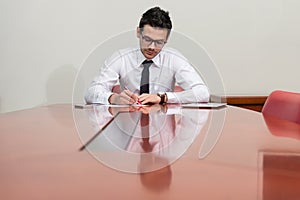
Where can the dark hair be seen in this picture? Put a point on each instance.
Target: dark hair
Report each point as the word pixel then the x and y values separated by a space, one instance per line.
pixel 156 17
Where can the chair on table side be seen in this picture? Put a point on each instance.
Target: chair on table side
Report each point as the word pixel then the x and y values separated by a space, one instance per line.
pixel 116 89
pixel 282 128
pixel 283 105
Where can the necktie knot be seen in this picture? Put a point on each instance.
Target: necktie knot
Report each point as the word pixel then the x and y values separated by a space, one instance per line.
pixel 147 62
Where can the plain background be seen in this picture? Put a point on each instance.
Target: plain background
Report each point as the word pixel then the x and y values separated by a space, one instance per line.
pixel 254 43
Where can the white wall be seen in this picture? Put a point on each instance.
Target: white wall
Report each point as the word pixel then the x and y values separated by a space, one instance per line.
pixel 255 43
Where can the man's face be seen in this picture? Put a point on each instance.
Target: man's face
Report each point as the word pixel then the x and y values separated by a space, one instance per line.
pixel 152 40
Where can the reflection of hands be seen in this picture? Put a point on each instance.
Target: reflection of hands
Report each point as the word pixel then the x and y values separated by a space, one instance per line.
pixel 125 97
pixel 149 98
pixel 115 110
pixel 153 108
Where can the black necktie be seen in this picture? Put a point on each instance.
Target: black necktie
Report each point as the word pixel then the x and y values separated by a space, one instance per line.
pixel 144 87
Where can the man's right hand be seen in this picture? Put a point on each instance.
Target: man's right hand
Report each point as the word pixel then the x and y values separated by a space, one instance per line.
pixel 125 97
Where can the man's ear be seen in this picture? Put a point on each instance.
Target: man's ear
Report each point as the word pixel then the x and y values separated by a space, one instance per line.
pixel 138 32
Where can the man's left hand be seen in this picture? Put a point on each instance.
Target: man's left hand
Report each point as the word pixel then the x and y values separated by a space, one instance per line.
pixel 149 98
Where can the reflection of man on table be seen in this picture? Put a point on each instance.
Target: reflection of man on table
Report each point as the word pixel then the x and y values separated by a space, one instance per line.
pixel 170 131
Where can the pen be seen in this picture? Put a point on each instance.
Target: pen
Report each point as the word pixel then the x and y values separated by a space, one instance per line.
pixel 138 101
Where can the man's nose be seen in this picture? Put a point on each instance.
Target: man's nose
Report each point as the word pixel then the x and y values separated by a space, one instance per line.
pixel 152 45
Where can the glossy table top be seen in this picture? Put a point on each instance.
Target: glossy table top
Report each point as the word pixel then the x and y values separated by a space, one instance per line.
pixel 229 153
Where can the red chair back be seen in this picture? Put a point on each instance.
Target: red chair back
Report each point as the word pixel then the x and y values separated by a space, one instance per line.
pixel 116 89
pixel 283 105
pixel 282 128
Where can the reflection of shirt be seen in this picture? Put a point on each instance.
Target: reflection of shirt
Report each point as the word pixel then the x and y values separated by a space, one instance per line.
pixel 170 135
pixel 161 134
pixel 119 144
pixel 169 67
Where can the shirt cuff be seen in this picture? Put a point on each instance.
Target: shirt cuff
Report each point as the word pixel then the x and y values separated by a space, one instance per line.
pixel 171 97
pixel 103 98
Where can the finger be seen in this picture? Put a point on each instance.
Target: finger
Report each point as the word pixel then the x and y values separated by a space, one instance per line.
pixel 145 110
pixel 148 98
pixel 146 101
pixel 128 92
pixel 123 101
pixel 132 108
pixel 134 97
pixel 131 95
pixel 143 97
pixel 124 96
pixel 127 99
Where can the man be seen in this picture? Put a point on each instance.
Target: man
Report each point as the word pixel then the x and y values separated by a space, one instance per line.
pixel 148 74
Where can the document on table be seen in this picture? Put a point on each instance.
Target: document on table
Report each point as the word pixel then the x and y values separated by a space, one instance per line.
pixel 203 105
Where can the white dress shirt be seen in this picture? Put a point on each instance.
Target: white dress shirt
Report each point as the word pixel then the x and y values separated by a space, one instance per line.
pixel 169 68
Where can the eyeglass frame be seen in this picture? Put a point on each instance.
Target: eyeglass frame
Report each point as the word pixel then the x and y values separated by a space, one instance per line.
pixel 148 41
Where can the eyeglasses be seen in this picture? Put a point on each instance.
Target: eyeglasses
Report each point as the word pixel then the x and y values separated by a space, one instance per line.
pixel 148 41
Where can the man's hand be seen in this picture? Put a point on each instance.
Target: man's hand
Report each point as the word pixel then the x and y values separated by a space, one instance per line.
pixel 149 98
pixel 125 97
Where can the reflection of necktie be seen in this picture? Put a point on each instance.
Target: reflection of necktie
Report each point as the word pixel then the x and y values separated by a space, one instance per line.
pixel 146 146
pixel 144 87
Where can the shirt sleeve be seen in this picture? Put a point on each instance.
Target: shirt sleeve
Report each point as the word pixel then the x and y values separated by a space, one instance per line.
pixel 195 90
pixel 101 87
pixel 198 93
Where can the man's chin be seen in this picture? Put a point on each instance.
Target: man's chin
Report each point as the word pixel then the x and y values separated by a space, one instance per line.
pixel 149 54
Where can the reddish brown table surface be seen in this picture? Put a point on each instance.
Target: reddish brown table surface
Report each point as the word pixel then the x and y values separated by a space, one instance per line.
pixel 40 159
